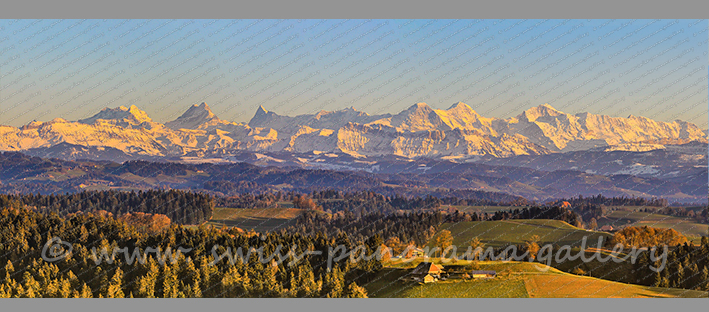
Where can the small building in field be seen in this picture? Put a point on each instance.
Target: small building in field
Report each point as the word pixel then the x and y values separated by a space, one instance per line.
pixel 414 252
pixel 606 228
pixel 429 278
pixel 418 252
pixel 483 274
pixel 427 272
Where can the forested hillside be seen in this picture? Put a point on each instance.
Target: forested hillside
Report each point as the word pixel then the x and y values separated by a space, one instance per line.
pixel 180 206
pixel 25 274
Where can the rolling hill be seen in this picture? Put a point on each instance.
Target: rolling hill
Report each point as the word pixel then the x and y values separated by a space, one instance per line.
pixel 503 233
pixel 686 226
pixel 258 219
pixel 514 280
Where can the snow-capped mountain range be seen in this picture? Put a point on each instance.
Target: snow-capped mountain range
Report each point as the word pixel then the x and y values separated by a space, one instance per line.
pixel 419 131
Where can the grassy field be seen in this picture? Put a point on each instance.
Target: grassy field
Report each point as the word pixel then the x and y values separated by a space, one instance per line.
pixel 686 226
pixel 260 220
pixel 502 233
pixel 514 280
pixel 493 288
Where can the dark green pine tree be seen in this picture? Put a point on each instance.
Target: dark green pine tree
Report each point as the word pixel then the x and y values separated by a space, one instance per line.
pixel 693 272
pixel 679 281
pixel 704 278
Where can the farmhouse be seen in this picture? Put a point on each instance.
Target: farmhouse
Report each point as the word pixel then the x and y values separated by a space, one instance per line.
pixel 483 274
pixel 418 252
pixel 427 272
pixel 606 228
pixel 412 253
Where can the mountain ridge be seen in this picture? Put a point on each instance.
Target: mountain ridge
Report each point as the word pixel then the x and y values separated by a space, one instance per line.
pixel 418 131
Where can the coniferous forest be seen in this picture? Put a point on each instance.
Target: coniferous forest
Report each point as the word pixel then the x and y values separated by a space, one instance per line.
pixel 180 206
pixel 193 274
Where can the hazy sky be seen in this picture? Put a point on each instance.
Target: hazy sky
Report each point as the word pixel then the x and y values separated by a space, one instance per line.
pixel 74 68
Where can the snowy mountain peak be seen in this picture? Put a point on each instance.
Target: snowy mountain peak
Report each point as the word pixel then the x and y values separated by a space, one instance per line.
pixel 420 107
pixel 544 110
pixel 416 110
pixel 463 110
pixel 262 118
pixel 460 106
pixel 132 115
pixel 418 117
pixel 417 131
pixel 194 117
pixel 201 110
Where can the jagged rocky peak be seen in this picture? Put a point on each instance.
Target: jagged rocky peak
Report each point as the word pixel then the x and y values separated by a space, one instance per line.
pixel 262 117
pixel 195 116
pixel 199 110
pixel 261 111
pixel 130 114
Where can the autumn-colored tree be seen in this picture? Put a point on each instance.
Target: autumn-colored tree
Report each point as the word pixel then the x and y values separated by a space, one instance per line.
pixel 578 271
pixel 647 237
pixel 532 246
pixel 385 252
pixel 395 244
pixel 444 240
pixel 146 222
pixel 477 247
pixel 305 202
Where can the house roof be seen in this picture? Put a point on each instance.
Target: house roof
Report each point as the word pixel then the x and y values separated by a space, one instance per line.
pixel 427 268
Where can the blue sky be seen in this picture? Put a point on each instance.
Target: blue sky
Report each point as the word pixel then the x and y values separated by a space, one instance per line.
pixel 74 68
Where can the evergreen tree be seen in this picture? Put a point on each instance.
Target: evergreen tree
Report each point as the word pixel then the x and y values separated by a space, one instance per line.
pixel 115 285
pixel 704 278
pixel 354 291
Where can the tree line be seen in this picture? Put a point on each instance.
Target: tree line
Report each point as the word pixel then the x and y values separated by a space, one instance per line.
pixel 181 207
pixel 613 201
pixel 687 267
